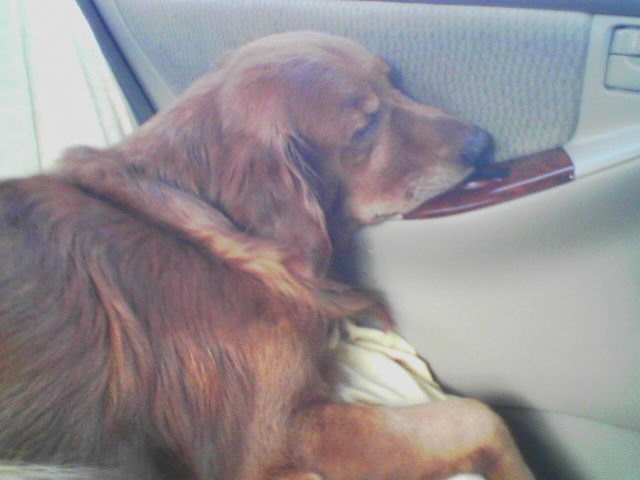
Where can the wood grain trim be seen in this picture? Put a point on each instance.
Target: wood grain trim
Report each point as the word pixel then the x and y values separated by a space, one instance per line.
pixel 501 182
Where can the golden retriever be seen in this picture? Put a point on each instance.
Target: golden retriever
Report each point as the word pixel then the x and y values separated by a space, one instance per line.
pixel 165 304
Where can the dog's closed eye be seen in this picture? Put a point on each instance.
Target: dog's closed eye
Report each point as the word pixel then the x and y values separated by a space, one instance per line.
pixel 369 129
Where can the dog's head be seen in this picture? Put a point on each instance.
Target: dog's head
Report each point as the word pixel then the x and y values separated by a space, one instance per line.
pixel 301 138
pixel 374 152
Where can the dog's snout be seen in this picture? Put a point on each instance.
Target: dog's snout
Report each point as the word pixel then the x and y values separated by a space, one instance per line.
pixel 479 148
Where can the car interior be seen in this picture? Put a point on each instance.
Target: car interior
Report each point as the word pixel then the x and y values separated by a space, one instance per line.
pixel 521 287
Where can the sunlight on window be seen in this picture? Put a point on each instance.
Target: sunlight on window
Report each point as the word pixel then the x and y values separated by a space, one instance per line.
pixel 56 89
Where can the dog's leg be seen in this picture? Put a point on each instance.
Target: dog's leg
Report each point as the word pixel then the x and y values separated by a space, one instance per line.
pixel 431 441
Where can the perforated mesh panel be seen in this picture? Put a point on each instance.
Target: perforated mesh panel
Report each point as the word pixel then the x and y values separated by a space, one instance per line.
pixel 516 72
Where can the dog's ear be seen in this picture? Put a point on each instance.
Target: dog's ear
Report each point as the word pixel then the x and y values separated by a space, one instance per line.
pixel 232 141
pixel 267 189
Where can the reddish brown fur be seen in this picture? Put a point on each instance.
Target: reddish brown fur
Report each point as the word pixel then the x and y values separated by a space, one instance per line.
pixel 164 304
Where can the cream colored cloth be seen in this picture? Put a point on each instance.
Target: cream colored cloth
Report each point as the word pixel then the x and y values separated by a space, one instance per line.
pixel 382 368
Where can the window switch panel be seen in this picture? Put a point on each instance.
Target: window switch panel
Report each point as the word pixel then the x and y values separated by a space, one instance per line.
pixel 623 62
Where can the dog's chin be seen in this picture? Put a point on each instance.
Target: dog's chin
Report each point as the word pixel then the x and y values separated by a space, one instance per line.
pixel 416 193
pixel 383 217
pixel 426 195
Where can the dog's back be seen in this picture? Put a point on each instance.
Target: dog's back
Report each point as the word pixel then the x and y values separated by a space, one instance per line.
pixel 121 341
pixel 59 292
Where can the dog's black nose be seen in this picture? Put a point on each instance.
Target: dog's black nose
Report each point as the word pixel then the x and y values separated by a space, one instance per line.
pixel 479 149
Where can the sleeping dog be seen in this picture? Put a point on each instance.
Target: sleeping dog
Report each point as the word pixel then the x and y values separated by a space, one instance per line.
pixel 165 303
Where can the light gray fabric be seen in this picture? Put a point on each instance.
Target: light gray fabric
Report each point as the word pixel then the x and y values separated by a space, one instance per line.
pixel 516 72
